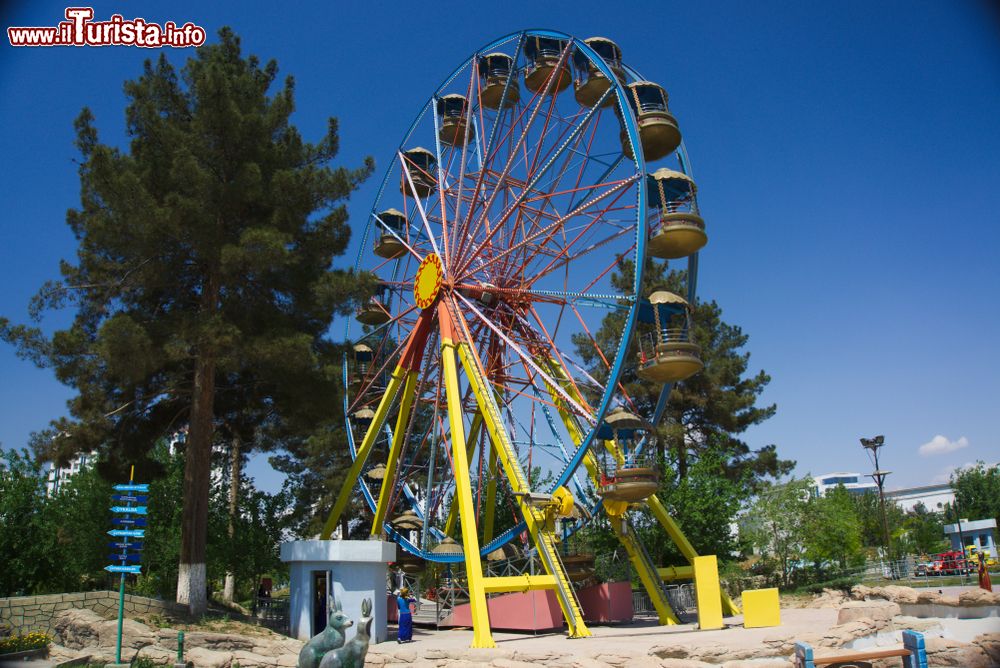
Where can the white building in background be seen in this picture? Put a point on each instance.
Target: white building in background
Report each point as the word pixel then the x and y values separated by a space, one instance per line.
pixel 934 497
pixel 58 475
pixel 855 483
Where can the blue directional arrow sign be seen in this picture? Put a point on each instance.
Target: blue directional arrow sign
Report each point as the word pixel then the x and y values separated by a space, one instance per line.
pixel 128 533
pixel 125 557
pixel 114 568
pixel 136 547
pixel 135 510
pixel 129 498
pixel 132 487
pixel 130 521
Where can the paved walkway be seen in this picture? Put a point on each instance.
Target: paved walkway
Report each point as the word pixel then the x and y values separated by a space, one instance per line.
pixel 634 639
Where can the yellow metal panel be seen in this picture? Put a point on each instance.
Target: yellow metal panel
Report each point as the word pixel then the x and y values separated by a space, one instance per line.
pixel 518 583
pixel 381 413
pixel 405 406
pixel 761 607
pixel 481 635
pixel 708 592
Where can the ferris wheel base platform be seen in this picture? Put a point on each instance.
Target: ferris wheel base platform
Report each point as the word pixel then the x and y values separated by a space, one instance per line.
pixel 538 610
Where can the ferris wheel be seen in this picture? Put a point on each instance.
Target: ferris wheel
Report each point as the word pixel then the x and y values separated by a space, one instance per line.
pixel 513 220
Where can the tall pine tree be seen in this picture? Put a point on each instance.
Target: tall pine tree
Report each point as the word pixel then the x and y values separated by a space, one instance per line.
pixel 203 275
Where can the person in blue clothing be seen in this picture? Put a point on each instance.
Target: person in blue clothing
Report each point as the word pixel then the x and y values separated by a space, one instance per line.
pixel 403 602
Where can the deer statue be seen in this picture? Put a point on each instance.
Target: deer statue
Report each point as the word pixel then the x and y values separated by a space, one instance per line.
pixel 330 638
pixel 352 654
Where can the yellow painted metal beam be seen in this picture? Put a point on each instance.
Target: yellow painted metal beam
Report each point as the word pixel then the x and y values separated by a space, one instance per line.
pixel 481 634
pixel 491 497
pixel 511 583
pixel 544 541
pixel 684 545
pixel 398 435
pixel 671 573
pixel 477 423
pixel 381 413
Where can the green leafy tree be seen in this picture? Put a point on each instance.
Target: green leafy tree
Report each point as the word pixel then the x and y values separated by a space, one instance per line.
pixel 710 409
pixel 869 513
pixel 705 504
pixel 833 530
pixel 924 531
pixel 777 522
pixel 76 519
pixel 203 270
pixel 977 492
pixel 22 497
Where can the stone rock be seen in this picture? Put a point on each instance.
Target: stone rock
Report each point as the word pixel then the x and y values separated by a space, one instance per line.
pixel 758 663
pixel 207 658
pixel 158 654
pixel 953 653
pixel 860 592
pixel 928 596
pixel 990 644
pixel 217 642
pixel 685 663
pixel 881 612
pixel 512 663
pixel 921 624
pixel 77 629
pixel 975 597
pixel 830 598
pixel 898 594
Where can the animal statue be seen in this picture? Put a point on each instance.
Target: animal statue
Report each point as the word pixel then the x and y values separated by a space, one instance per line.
pixel 352 654
pixel 330 638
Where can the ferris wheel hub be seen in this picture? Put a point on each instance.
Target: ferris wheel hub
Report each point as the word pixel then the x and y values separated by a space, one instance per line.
pixel 427 283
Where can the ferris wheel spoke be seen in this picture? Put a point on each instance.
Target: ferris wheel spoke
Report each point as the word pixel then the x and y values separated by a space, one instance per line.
pixel 525 356
pixel 545 233
pixel 416 199
pixel 540 97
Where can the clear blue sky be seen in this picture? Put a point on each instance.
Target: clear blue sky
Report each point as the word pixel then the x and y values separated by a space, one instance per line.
pixel 847 156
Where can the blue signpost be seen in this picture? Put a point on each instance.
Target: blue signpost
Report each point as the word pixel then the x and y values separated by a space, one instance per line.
pixel 129 550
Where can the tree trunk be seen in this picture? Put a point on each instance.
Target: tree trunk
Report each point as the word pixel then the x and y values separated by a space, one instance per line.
pixel 235 470
pixel 191 577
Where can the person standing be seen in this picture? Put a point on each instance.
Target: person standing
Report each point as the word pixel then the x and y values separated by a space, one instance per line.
pixel 984 574
pixel 403 602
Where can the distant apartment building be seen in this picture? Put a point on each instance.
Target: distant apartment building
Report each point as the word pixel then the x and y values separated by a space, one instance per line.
pixel 56 476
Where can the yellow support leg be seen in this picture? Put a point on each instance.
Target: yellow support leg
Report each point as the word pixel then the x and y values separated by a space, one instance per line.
pixel 481 634
pixel 398 435
pixel 544 541
pixel 491 497
pixel 381 413
pixel 477 422
pixel 625 534
pixel 684 545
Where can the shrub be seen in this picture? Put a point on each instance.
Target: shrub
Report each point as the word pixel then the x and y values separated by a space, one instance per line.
pixel 23 643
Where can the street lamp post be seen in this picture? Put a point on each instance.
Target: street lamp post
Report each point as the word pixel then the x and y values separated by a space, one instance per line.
pixel 873 445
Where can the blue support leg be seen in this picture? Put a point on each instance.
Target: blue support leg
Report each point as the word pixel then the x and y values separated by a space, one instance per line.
pixel 914 642
pixel 804 656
